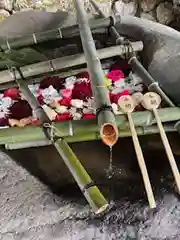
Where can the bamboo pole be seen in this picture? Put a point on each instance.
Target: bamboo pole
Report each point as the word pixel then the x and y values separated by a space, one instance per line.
pixel 105 116
pixel 58 64
pixel 54 34
pixel 35 137
pixel 92 194
pixel 76 131
pixel 127 105
pixel 152 101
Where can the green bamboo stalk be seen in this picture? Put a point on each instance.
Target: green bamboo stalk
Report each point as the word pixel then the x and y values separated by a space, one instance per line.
pixel 92 194
pixel 54 34
pixel 58 64
pixel 35 140
pixel 76 131
pixel 106 119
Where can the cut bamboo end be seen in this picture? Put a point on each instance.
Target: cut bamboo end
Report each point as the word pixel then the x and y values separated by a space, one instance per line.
pixel 102 209
pixel 109 134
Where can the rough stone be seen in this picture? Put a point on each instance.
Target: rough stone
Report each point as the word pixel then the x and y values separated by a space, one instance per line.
pixel 164 13
pixel 149 16
pixel 149 5
pixel 128 8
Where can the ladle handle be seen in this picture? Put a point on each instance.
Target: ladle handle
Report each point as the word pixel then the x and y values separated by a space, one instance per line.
pixel 168 149
pixel 141 162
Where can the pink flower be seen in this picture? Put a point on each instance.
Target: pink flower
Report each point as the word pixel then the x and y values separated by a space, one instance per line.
pixel 115 75
pixel 66 93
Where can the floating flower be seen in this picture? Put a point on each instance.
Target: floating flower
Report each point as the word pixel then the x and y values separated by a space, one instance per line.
pixel 77 103
pixel 61 109
pixel 65 102
pixel 12 93
pixel 69 82
pixel 66 93
pixel 15 123
pixel 114 97
pixel 63 117
pixel 89 116
pixel 115 75
pixel 108 82
pixel 20 109
pixel 54 81
pixel 5 103
pixel 40 99
pixel 82 91
pixel 4 121
pixel 77 116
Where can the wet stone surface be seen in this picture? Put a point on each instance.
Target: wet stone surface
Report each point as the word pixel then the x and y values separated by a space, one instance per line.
pixel 29 210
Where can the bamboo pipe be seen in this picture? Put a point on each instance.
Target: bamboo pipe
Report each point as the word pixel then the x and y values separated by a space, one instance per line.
pixel 105 116
pixel 92 194
pixel 54 34
pixel 57 64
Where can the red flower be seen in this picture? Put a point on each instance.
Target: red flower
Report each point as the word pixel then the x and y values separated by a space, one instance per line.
pixel 83 75
pixel 115 75
pixel 40 99
pixel 121 65
pixel 20 109
pixel 63 117
pixel 89 116
pixel 13 93
pixel 114 97
pixel 55 81
pixel 65 102
pixel 4 122
pixel 82 91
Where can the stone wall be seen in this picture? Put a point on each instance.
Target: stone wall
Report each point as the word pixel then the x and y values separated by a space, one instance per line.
pixel 165 12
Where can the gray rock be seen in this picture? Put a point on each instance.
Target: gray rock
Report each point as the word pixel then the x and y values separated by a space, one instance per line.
pixel 128 8
pixel 164 13
pixel 149 16
pixel 149 5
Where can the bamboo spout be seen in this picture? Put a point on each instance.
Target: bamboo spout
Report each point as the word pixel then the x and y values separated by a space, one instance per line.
pixel 109 134
pixel 105 116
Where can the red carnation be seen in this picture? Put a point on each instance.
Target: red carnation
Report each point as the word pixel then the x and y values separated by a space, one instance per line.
pixel 82 91
pixel 114 97
pixel 65 102
pixel 83 75
pixel 40 99
pixel 4 122
pixel 89 116
pixel 20 109
pixel 63 117
pixel 13 93
pixel 55 81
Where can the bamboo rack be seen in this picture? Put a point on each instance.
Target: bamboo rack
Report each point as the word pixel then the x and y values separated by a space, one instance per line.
pixel 87 130
pixel 58 64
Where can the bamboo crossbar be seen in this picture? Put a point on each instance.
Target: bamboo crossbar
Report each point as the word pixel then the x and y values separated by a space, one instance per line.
pixel 87 130
pixel 54 34
pixel 58 64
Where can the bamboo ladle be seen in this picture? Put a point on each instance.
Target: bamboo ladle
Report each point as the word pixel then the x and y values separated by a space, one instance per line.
pixel 126 103
pixel 151 101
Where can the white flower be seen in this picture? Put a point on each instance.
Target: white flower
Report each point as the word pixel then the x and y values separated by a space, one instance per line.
pixel 5 102
pixel 49 94
pixel 34 88
pixel 73 110
pixel 77 116
pixel 89 110
pixel 61 109
pixel 77 103
pixel 80 80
